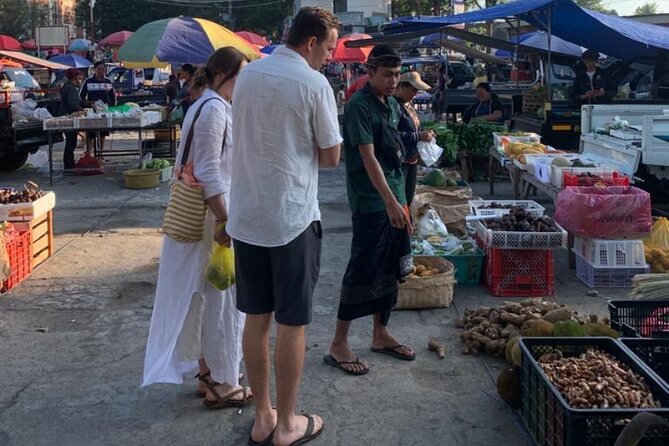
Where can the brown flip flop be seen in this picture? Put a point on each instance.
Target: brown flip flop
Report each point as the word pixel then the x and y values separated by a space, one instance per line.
pixel 331 361
pixel 309 434
pixel 392 351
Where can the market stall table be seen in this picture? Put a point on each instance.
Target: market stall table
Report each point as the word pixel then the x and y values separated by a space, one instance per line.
pixel 514 172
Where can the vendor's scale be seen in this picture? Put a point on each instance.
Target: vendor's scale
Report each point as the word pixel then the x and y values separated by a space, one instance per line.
pixel 645 141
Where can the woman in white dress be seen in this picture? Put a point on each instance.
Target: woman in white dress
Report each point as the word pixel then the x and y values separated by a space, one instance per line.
pixel 193 323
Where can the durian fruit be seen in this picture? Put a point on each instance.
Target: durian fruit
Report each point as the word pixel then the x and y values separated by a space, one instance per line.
pixel 569 329
pixel 509 386
pixel 536 328
pixel 516 355
pixel 509 345
pixel 599 329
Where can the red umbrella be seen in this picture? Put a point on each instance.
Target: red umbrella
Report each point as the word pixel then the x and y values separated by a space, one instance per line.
pixel 9 43
pixel 253 38
pixel 29 44
pixel 116 39
pixel 343 54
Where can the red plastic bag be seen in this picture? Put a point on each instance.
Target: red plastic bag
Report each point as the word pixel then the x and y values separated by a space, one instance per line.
pixel 604 212
pixel 87 165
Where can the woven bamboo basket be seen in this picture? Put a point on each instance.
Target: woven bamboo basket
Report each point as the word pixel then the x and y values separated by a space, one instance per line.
pixel 428 292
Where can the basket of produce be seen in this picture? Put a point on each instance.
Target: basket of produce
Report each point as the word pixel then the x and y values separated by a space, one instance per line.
pixel 595 179
pixel 521 230
pixel 584 391
pixel 59 123
pixel 640 318
pixel 604 212
pixel 578 166
pixel 141 178
pixel 429 286
pixel 25 204
pixel 499 208
pixel 653 353
pixel 92 123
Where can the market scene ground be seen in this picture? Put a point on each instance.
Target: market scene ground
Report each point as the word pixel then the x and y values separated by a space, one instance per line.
pixel 73 337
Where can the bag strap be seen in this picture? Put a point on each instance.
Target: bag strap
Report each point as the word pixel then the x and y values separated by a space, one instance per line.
pixel 191 131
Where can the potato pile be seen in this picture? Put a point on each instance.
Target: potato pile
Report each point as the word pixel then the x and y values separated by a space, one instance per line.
pixel 658 259
pixel 597 380
pixel 495 331
pixel 519 220
pixel 423 271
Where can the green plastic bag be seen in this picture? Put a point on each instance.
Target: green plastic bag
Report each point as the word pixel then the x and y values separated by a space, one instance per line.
pixel 220 272
pixel 177 115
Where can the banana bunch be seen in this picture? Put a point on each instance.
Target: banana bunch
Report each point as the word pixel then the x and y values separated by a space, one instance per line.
pixel 518 150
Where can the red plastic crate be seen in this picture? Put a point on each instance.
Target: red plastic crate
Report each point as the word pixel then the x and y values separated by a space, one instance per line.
pixel 607 179
pixel 20 260
pixel 519 272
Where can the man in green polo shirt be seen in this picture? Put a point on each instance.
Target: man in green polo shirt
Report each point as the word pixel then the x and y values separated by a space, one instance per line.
pixel 380 249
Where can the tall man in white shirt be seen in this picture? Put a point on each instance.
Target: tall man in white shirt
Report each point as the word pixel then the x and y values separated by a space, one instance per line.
pixel 284 127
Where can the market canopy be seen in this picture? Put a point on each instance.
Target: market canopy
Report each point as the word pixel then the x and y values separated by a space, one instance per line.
pixel 79 45
pixel 539 41
pixel 32 60
pixel 180 40
pixel 116 39
pixel 72 60
pixel 615 36
pixel 9 43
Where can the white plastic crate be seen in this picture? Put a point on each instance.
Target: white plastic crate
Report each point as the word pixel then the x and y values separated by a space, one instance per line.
pixel 532 207
pixel 60 123
pixel 606 277
pixel 522 240
pixel 611 253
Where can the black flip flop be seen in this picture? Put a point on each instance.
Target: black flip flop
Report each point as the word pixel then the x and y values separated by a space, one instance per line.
pixel 392 351
pixel 266 442
pixel 309 434
pixel 331 361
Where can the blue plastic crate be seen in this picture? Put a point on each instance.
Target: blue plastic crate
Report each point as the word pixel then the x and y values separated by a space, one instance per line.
pixel 606 277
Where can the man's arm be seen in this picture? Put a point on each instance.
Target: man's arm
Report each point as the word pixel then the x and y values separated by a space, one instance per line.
pixel 325 122
pixel 329 156
pixel 398 218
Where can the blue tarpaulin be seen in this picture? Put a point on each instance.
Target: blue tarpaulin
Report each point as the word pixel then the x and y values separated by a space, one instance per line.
pixel 614 36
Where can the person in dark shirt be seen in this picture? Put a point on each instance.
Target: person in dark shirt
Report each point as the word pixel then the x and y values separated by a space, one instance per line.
pixel 97 88
pixel 591 86
pixel 171 89
pixel 409 128
pixel 70 102
pixel 184 98
pixel 488 107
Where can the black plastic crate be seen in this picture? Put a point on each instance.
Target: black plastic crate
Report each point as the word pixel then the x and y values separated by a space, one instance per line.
pixel 552 422
pixel 654 353
pixel 640 318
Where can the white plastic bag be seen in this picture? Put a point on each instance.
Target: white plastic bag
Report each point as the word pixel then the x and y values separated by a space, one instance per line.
pixel 429 152
pixel 430 224
pixel 41 114
pixel 39 160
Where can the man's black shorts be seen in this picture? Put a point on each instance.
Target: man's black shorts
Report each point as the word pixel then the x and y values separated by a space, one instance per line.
pixel 280 279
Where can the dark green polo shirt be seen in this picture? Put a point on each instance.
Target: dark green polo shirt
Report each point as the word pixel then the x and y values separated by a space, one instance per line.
pixel 364 116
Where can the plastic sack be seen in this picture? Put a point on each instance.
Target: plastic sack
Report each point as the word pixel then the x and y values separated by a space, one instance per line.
pixel 430 224
pixel 429 152
pixel 177 115
pixel 656 246
pixel 220 272
pixel 604 212
pixel 41 113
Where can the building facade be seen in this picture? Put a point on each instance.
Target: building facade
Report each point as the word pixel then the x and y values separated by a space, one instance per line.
pixel 368 8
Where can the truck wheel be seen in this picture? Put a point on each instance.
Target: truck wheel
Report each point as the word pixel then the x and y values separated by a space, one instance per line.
pixel 11 162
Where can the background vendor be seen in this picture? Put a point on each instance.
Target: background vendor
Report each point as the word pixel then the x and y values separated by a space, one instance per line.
pixel 97 88
pixel 591 85
pixel 70 102
pixel 488 107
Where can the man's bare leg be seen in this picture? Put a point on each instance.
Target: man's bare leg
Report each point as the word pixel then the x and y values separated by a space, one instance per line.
pixel 340 349
pixel 289 362
pixel 256 356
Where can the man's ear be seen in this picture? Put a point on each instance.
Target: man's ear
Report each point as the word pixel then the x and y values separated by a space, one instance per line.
pixel 311 43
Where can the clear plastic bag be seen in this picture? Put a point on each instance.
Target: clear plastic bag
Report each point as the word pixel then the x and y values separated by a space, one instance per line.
pixel 220 272
pixel 656 246
pixel 430 224
pixel 429 152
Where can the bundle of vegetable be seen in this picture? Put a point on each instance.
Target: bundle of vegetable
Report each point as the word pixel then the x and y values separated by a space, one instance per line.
pixel 650 287
pixel 446 138
pixel 596 380
pixel 476 137
pixel 158 163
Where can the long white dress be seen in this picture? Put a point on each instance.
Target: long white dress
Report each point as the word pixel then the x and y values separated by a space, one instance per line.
pixel 191 319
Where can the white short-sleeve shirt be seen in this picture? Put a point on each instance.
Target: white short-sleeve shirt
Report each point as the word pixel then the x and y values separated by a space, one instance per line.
pixel 283 112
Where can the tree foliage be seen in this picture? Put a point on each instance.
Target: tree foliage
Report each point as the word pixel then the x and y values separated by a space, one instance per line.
pixel 113 15
pixel 647 9
pixel 19 18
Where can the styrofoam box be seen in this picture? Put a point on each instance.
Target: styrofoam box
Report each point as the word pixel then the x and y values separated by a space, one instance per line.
pixel 543 166
pixel 611 253
pixel 27 211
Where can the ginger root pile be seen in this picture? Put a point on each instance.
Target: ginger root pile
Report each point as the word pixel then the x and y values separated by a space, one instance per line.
pixel 596 380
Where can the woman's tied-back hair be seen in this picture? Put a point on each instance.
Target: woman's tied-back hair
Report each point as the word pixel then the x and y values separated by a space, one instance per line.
pixel 226 61
pixel 311 22
pixel 383 56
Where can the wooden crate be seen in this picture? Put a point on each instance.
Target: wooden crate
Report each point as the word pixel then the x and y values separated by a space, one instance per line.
pixel 41 236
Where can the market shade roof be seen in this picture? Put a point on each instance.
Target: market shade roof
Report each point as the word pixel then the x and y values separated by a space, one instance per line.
pixel 9 43
pixel 253 38
pixel 615 36
pixel 32 60
pixel 180 40
pixel 539 40
pixel 344 54
pixel 79 45
pixel 72 60
pixel 116 39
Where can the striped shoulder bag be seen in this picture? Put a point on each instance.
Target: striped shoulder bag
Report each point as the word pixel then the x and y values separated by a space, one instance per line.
pixel 186 209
